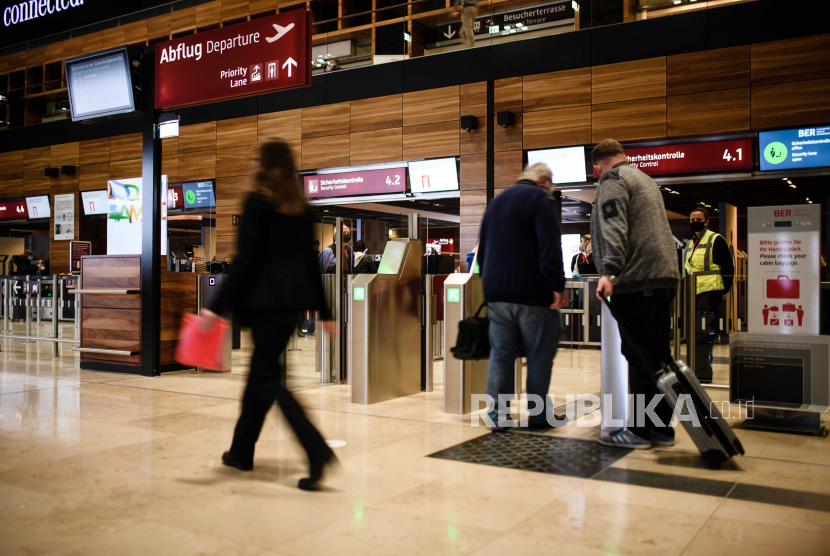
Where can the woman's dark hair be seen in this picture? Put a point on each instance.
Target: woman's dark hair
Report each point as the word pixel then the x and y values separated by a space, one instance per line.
pixel 703 211
pixel 276 176
pixel 28 253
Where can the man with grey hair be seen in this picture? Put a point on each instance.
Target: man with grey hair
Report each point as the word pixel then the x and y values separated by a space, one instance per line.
pixel 520 257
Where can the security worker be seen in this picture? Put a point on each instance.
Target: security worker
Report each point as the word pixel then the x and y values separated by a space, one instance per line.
pixel 708 257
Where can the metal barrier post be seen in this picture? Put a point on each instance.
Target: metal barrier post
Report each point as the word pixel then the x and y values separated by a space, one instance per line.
pixel 691 321
pixel 57 293
pixel 39 304
pixel 28 311
pixel 677 319
pixel 78 311
pixel 55 331
pixel 6 304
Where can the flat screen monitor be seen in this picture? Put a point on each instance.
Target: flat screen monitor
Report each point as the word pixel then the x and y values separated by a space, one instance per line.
pixel 570 247
pixel 427 176
pixel 99 84
pixel 95 202
pixel 795 148
pixel 198 194
pixel 38 206
pixel 567 165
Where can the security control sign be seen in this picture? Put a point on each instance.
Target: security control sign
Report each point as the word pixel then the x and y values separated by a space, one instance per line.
pixel 363 182
pixel 198 194
pixel 783 269
pixel 690 158
pixel 249 58
pixel 795 148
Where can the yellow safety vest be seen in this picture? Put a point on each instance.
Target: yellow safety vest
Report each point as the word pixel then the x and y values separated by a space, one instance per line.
pixel 700 262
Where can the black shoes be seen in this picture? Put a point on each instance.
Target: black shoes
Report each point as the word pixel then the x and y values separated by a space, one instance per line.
pixel 315 472
pixel 228 459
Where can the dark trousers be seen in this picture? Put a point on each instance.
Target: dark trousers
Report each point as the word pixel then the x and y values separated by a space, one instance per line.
pixel 265 386
pixel 708 313
pixel 644 319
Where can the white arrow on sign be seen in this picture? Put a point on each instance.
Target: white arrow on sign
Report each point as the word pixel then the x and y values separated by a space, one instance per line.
pixel 16 287
pixel 280 32
pixel 450 34
pixel 288 63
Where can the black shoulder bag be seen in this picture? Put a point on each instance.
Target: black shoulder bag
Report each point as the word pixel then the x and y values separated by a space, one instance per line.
pixel 473 340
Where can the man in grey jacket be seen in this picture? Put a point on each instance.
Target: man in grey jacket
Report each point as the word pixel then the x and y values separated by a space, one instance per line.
pixel 636 259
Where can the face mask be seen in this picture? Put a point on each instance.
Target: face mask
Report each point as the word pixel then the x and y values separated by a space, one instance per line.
pixel 698 226
pixel 581 247
pixel 30 258
pixel 347 239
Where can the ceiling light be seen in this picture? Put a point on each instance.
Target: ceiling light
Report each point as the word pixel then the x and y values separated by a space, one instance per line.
pixel 507 26
pixel 784 179
pixel 792 185
pixel 807 199
pixel 676 2
pixel 512 30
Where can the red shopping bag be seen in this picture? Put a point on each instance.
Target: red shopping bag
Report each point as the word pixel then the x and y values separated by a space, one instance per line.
pixel 783 288
pixel 208 350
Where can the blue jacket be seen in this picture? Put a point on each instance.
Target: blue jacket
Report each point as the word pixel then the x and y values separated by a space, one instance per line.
pixel 520 247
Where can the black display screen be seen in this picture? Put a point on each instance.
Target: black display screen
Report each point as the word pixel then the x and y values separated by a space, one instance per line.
pixel 784 224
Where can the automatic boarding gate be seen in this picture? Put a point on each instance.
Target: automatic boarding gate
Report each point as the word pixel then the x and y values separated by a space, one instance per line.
pixel 384 322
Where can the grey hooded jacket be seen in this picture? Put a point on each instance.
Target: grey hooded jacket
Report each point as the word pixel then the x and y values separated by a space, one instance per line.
pixel 630 232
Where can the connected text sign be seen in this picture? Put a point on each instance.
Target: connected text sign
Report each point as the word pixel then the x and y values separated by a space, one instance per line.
pixel 258 56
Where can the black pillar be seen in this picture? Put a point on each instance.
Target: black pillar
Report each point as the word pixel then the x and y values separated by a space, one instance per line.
pixel 151 223
pixel 491 140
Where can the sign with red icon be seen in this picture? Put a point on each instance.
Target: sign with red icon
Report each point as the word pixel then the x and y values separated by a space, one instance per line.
pixel 690 158
pixel 257 56
pixel 10 210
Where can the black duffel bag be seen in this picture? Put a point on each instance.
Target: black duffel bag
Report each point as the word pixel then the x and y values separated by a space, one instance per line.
pixel 473 340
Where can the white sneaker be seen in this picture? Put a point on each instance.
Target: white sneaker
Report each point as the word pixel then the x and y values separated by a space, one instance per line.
pixel 624 438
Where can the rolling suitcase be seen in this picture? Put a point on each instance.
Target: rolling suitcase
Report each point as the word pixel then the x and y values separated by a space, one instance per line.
pixel 714 437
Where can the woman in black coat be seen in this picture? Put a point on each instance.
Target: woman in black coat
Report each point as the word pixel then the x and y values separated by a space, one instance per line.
pixel 273 279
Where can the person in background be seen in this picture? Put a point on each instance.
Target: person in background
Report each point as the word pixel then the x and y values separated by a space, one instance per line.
pixel 316 246
pixel 276 228
pixel 708 257
pixel 25 266
pixel 585 258
pixel 468 10
pixel 637 261
pixel 326 259
pixel 522 275
pixel 333 65
pixel 363 263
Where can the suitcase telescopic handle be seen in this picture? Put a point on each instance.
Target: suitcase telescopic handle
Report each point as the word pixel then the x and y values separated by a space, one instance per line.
pixel 634 347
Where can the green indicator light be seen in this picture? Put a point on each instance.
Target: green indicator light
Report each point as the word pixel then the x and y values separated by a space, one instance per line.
pixel 359 294
pixel 190 197
pixel 453 295
pixel 609 299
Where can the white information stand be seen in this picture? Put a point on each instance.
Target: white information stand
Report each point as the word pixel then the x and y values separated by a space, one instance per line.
pixel 614 375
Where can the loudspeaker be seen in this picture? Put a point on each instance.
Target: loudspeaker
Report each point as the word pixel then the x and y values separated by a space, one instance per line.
pixel 68 170
pixel 51 172
pixel 468 123
pixel 504 119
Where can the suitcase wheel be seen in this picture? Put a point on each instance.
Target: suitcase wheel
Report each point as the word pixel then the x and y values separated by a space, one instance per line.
pixel 714 458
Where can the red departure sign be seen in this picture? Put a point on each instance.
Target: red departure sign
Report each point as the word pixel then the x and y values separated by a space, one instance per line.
pixel 13 209
pixel 175 197
pixel 689 158
pixel 249 58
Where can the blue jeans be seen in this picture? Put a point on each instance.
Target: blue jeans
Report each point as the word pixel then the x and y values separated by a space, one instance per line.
pixel 512 326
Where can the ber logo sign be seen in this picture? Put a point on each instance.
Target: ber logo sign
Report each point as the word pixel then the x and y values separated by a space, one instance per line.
pixel 249 58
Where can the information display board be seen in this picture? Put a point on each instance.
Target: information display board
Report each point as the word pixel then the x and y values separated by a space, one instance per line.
pixel 94 202
pixel 691 158
pixel 198 194
pixel 567 165
pixel 428 176
pixel 38 206
pixel 795 148
pixel 10 210
pixel 783 269
pixel 363 182
pixel 65 216
pixel 257 56
pixel 78 249
pixel 99 84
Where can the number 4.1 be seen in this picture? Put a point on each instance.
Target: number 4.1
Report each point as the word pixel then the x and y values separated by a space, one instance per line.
pixel 728 157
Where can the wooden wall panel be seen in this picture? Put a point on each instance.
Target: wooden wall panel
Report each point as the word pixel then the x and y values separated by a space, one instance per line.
pixel 65 154
pixel 325 152
pixel 557 128
pixel 35 56
pixel 197 166
pixel 627 121
pixel 433 105
pixel 112 272
pixel 710 70
pixel 559 89
pixel 11 187
pixel 197 137
pixel 37 159
pixel 92 42
pixel 468 237
pixel 236 132
pixel 232 191
pixel 35 183
pixel 328 119
pixel 11 163
pixel 234 161
pixel 511 137
pixel 208 14
pixel 93 176
pixel 170 167
pixel 703 113
pixel 158 27
pixel 178 296
pixel 473 172
pixel 53 52
pixel 474 141
pixel 261 6
pixel 473 102
pixel 134 32
pixel 114 37
pixel 430 140
pixel 382 145
pixel 507 167
pixel 124 169
pixel 473 205
pixel 74 46
pixel 95 151
pixel 376 113
pixel 629 81
pixel 507 95
pixel 287 125
pixel 234 9
pixel 183 19
pixel 791 60
pixel 125 147
pixel 791 104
